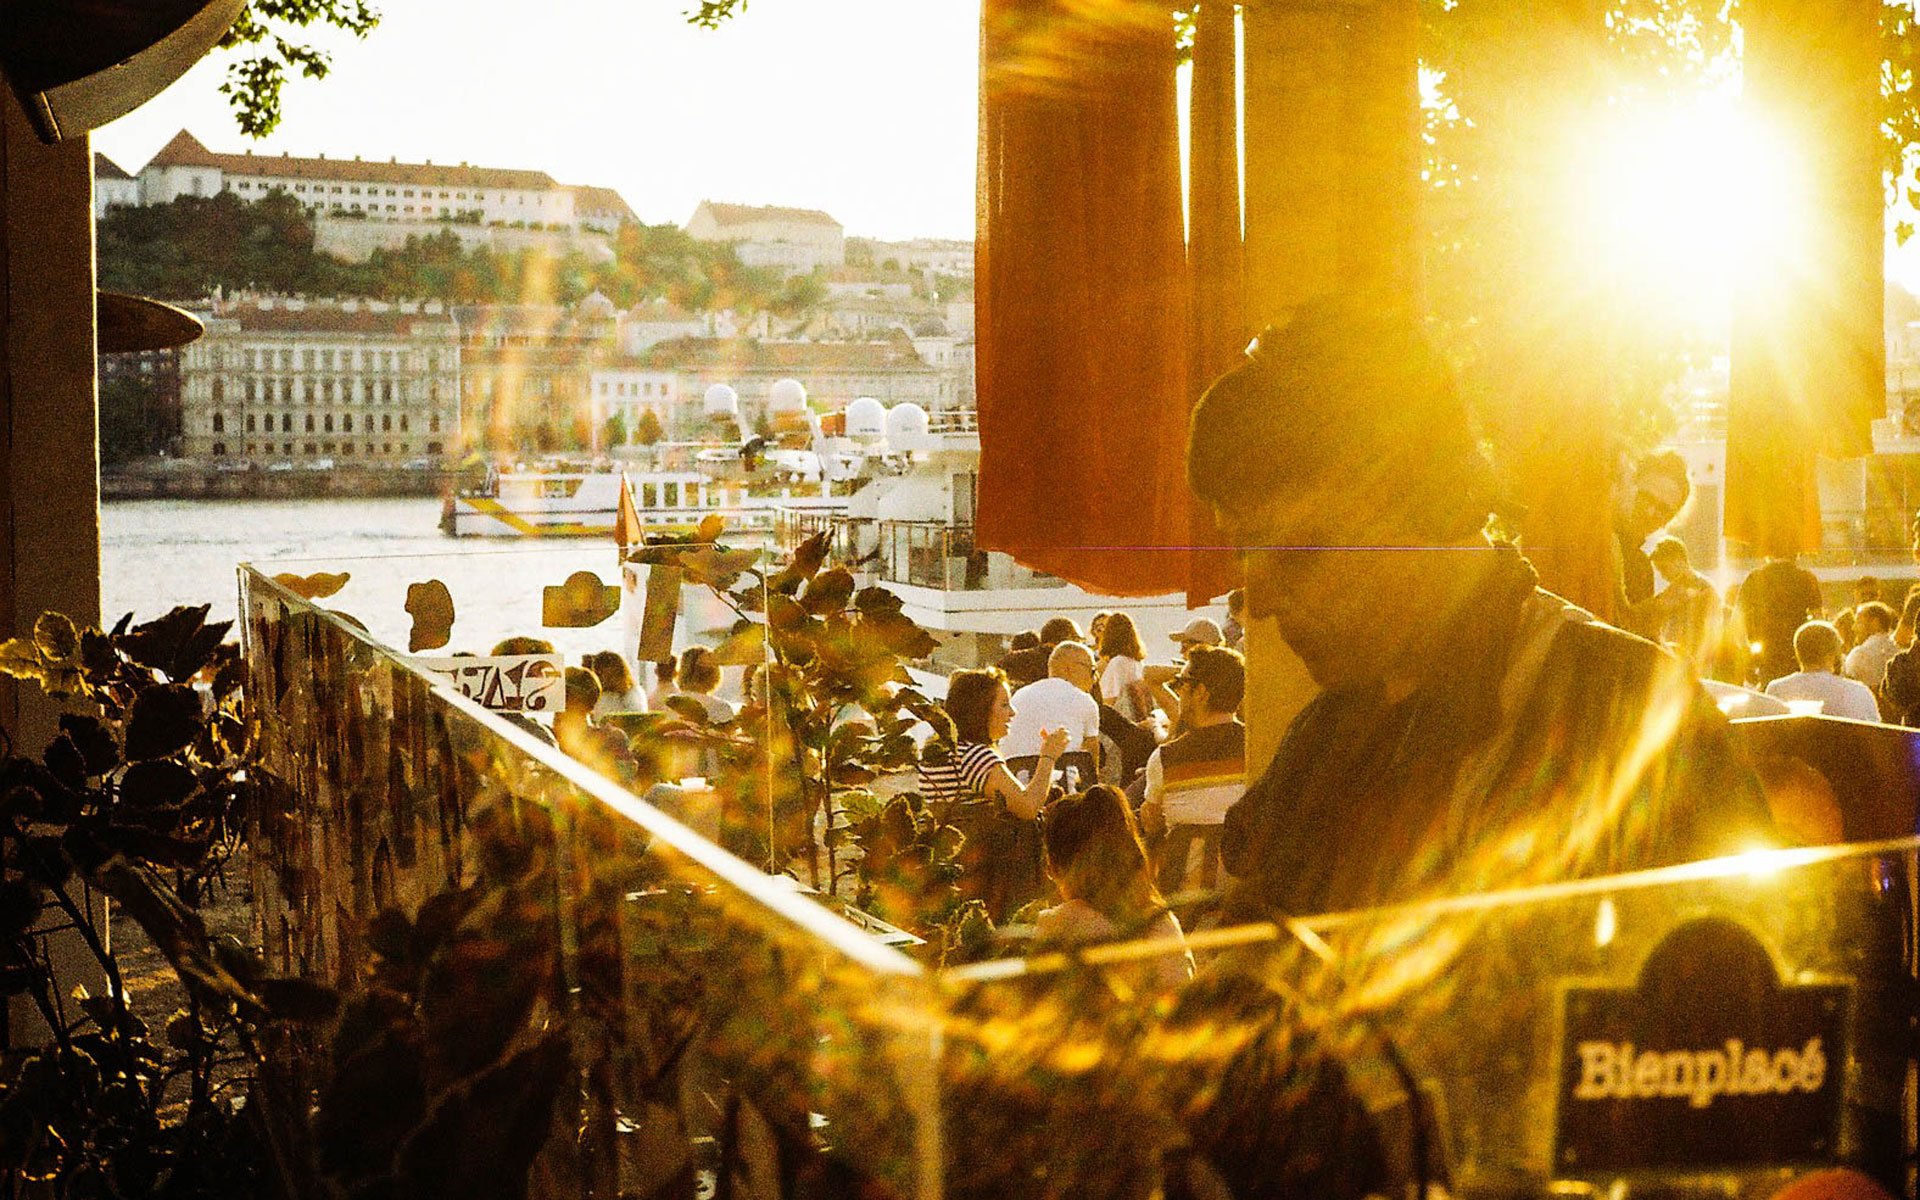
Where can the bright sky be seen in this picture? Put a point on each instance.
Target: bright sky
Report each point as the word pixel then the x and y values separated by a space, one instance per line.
pixel 864 108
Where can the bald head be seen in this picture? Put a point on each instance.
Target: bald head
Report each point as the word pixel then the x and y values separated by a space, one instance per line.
pixel 1073 662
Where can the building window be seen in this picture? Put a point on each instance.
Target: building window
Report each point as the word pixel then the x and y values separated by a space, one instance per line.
pixel 329 423
pixel 286 447
pixel 220 449
pixel 346 448
pixel 286 422
pixel 386 422
pixel 219 423
pixel 309 448
pixel 433 423
pixel 250 389
pixel 403 422
pixel 250 423
pixel 386 391
pixel 346 422
pixel 309 422
pixel 306 391
pixel 219 391
pixel 326 390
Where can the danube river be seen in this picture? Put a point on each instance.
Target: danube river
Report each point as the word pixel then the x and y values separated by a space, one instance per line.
pixel 159 553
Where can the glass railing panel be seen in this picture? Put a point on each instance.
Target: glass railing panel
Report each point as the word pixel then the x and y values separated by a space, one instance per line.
pixel 1719 1029
pixel 723 1026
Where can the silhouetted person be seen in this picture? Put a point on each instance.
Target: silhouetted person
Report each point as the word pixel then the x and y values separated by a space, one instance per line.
pixel 1474 732
pixel 1778 597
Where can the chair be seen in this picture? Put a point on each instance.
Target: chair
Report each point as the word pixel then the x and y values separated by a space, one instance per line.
pixel 1074 769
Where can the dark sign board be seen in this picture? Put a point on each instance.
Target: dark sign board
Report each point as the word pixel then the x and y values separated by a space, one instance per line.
pixel 1709 1062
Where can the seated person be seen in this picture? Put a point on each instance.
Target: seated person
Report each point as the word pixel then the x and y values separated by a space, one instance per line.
pixel 1194 779
pixel 1817 648
pixel 967 784
pixel 1063 700
pixel 1095 858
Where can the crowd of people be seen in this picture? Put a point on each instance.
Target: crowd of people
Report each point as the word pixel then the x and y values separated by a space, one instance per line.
pixel 1776 634
pixel 1476 733
pixel 1159 743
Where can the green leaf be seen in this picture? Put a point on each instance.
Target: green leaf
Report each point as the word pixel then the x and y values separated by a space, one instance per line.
pixel 159 783
pixel 828 591
pixel 56 637
pixel 94 741
pixel 165 719
pixel 63 758
pixel 20 658
pixel 159 642
pixel 876 601
pixel 97 654
pixel 745 645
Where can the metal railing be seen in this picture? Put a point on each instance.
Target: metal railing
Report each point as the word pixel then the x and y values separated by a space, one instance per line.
pixel 693 988
pixel 929 554
pixel 707 1005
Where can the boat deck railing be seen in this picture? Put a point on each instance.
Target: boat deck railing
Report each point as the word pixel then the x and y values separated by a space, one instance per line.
pixel 929 554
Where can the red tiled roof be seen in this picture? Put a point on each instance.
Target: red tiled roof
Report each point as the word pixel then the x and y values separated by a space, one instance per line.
pixel 795 358
pixel 747 214
pixel 106 168
pixel 600 202
pixel 326 318
pixel 186 150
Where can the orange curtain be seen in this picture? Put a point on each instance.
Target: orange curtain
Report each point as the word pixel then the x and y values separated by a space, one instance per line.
pixel 1216 256
pixel 1082 295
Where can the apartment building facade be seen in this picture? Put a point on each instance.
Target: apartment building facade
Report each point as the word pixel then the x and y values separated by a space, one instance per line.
pixel 288 381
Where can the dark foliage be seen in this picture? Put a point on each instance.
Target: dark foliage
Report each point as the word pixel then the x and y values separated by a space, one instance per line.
pixel 138 797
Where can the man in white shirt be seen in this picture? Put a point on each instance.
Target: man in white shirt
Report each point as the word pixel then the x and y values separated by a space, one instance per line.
pixel 1867 662
pixel 1817 645
pixel 1063 700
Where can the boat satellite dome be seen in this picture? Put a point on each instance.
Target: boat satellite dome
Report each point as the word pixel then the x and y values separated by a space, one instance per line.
pixel 722 401
pixel 907 420
pixel 866 419
pixel 786 395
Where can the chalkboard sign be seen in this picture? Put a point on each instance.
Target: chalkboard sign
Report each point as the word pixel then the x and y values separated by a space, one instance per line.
pixel 1710 1062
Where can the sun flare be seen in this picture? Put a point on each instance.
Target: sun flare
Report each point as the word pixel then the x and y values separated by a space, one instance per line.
pixel 1675 203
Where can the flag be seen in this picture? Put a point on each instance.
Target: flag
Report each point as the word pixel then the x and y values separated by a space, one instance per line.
pixel 626 525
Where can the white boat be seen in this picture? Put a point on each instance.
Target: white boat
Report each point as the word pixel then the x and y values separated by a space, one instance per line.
pixel 584 504
pixel 912 532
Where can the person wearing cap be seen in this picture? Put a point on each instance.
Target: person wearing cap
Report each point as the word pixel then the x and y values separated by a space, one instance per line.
pixel 1195 778
pixel 1476 733
pixel 1159 677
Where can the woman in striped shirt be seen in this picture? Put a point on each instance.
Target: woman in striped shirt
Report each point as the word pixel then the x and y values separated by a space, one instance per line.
pixel 969 785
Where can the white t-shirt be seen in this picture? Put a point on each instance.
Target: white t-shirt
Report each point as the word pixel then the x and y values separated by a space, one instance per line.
pixel 1049 704
pixel 1116 685
pixel 1840 697
pixel 1868 661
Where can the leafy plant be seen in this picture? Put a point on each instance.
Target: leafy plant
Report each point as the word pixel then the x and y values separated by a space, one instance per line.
pixel 139 797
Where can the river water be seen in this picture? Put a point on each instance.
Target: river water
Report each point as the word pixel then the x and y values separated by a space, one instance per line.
pixel 159 553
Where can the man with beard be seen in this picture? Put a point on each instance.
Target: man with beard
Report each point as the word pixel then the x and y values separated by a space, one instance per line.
pixel 1473 732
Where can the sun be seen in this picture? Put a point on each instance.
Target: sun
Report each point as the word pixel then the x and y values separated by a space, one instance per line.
pixel 1673 204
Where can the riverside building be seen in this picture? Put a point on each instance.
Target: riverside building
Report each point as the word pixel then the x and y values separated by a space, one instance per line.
pixel 381 191
pixel 283 380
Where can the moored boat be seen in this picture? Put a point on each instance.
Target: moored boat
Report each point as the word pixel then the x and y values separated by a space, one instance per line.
pixel 584 504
